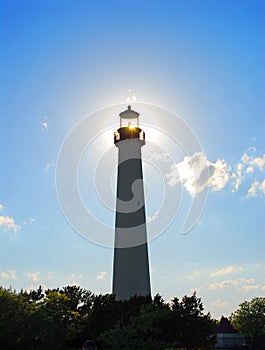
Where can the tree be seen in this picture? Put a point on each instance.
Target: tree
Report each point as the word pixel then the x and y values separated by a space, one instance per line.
pixel 249 319
pixel 16 320
pixel 65 313
pixel 160 325
pixel 143 331
pixel 189 326
pixel 59 318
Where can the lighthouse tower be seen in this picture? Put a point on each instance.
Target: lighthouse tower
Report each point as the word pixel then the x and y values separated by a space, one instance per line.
pixel 131 267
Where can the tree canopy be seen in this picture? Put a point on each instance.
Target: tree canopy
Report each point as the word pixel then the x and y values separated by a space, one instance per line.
pixel 249 319
pixel 64 318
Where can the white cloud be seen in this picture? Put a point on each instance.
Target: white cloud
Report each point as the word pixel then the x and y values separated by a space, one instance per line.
pixel 198 289
pixel 255 187
pixel 195 274
pixel 220 303
pixel 75 284
pixel 246 158
pixel 259 162
pixel 247 165
pixel 227 283
pixel 33 276
pixel 11 275
pixel 102 275
pixel 50 275
pixel 1 207
pixel 226 270
pixel 250 287
pixel 220 174
pixel 262 186
pixel 250 170
pixel 36 286
pixel 238 176
pixel 9 223
pixel 197 172
pixel 29 221
pixel 252 191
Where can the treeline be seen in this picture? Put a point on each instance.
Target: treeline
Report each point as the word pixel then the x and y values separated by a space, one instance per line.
pixel 64 318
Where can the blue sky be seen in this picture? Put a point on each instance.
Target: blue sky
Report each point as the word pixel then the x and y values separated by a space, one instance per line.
pixel 63 60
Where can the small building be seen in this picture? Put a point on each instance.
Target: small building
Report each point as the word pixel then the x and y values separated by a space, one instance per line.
pixel 227 336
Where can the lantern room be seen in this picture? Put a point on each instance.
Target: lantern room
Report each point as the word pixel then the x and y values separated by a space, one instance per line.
pixel 129 126
pixel 129 118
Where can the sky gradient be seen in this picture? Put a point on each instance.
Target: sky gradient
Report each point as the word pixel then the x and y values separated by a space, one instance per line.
pixel 63 60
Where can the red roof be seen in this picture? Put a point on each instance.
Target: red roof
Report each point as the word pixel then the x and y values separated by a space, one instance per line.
pixel 225 326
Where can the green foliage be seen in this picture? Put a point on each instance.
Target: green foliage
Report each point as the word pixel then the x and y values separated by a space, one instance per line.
pixel 187 319
pixel 142 332
pixel 17 317
pixel 64 318
pixel 249 319
pixel 52 319
pixel 159 325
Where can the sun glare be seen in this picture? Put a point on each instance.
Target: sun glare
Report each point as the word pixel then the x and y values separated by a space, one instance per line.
pixel 151 134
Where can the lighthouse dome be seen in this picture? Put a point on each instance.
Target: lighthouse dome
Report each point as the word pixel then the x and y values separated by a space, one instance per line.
pixel 129 114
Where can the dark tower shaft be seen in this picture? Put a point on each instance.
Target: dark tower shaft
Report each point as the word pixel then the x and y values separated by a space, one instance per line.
pixel 131 267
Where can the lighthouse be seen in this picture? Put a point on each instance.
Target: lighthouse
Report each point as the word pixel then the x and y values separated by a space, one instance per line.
pixel 131 264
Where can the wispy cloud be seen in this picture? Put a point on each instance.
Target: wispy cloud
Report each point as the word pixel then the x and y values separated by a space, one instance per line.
pixel 197 289
pixel 8 275
pixel 33 276
pixel 75 284
pixel 262 186
pixel 231 282
pixel 220 303
pixel 29 221
pixel 195 274
pixel 76 276
pixel 101 275
pixel 50 275
pixel 256 187
pixel 226 270
pixel 31 287
pixel 249 164
pixel 9 223
pixel 259 162
pixel 250 287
